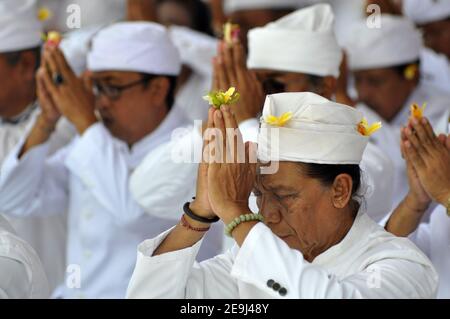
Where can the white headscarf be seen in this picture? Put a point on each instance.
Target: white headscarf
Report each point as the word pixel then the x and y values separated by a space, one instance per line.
pixel 302 42
pixel 231 6
pixel 426 11
pixel 320 131
pixel 397 42
pixel 20 28
pixel 134 46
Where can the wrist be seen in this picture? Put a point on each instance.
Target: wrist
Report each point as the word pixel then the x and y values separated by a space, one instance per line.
pixel 199 210
pixel 45 125
pixel 85 122
pixel 233 212
pixel 415 205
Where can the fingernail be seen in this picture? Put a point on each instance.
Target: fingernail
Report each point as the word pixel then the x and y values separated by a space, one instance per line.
pixel 415 122
pixel 219 114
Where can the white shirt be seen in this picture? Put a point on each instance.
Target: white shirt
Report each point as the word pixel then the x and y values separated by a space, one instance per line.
pixel 435 69
pixel 90 178
pixel 388 138
pixel 434 240
pixel 47 235
pixel 367 263
pixel 21 273
pixel 376 180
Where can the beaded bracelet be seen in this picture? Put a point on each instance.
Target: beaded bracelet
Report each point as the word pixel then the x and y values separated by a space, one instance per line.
pixel 242 219
pixel 186 224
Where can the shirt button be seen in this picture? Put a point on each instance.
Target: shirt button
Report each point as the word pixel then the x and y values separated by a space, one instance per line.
pixel 270 283
pixel 276 286
pixel 282 292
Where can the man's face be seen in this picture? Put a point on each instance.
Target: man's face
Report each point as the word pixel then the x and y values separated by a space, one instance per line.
pixel 135 112
pixel 294 207
pixel 278 82
pixel 12 84
pixel 383 90
pixel 171 13
pixel 437 36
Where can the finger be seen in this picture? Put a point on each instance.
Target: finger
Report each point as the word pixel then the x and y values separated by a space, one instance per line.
pixel 64 69
pixel 50 62
pixel 49 85
pixel 414 140
pixel 215 77
pixel 235 145
pixel 229 63
pixel 240 65
pixel 428 129
pixel 413 156
pixel 447 143
pixel 421 134
pixel 221 143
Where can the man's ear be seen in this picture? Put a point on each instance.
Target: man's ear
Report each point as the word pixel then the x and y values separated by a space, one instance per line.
pixel 329 85
pixel 342 190
pixel 158 89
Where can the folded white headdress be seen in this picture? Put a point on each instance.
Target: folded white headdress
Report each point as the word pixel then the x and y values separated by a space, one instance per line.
pixel 303 42
pixel 426 11
pixel 134 46
pixel 320 131
pixel 231 6
pixel 20 28
pixel 397 42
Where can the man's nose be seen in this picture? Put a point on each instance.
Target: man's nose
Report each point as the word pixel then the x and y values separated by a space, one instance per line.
pixel 269 210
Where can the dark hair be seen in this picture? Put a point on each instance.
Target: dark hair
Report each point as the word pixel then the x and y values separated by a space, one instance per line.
pixel 327 173
pixel 12 58
pixel 170 98
pixel 198 11
pixel 400 69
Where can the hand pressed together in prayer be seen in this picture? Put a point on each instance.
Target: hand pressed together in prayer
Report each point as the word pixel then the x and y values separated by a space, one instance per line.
pixel 226 176
pixel 428 159
pixel 230 70
pixel 70 98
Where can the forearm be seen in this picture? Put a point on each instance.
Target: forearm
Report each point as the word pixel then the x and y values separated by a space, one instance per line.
pixel 40 133
pixel 182 237
pixel 406 217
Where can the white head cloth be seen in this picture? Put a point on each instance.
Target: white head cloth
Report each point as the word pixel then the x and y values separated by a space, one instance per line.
pixel 426 11
pixel 320 131
pixel 303 42
pixel 20 28
pixel 231 6
pixel 134 46
pixel 397 42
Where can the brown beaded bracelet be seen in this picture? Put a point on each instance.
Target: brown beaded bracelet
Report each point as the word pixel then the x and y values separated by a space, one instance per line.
pixel 186 224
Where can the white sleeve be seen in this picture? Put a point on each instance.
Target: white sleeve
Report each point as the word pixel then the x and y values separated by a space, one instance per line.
pixel 14 281
pixel 102 168
pixel 176 275
pixel 35 184
pixel 303 280
pixel 422 237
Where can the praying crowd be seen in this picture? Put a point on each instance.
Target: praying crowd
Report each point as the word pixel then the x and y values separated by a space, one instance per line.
pixel 224 149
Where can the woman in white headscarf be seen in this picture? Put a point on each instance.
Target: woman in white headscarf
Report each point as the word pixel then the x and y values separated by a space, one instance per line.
pixel 314 242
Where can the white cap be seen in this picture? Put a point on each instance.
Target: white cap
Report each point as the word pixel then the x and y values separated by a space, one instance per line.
pixel 231 6
pixel 303 42
pixel 426 11
pixel 320 131
pixel 136 47
pixel 20 28
pixel 397 42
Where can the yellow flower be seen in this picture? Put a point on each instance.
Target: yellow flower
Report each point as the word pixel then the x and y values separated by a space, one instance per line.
pixel 230 32
pixel 53 38
pixel 366 130
pixel 411 71
pixel 417 111
pixel 44 14
pixel 278 120
pixel 219 98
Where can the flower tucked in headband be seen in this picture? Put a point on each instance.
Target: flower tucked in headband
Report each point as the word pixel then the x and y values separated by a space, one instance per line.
pixel 366 130
pixel 230 32
pixel 279 121
pixel 411 71
pixel 417 111
pixel 219 98
pixel 53 38
pixel 44 14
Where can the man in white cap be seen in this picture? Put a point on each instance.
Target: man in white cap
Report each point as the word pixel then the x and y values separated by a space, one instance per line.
pixel 433 17
pixel 425 154
pixel 282 63
pixel 134 68
pixel 249 14
pixel 336 254
pixel 20 51
pixel 385 65
pixel 21 273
